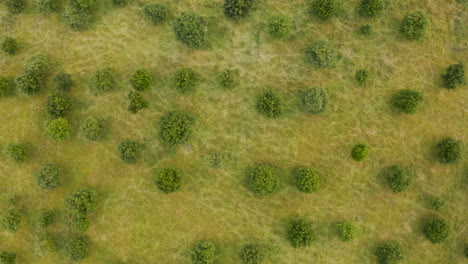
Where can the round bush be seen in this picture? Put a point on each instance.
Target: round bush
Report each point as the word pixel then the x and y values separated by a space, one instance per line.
pixel 129 151
pixel 168 180
pixel 7 257
pixel 185 80
pixel 102 81
pixel 77 17
pixel 436 230
pixel 251 254
pixel 321 54
pixel 300 233
pixel 141 80
pixel 12 219
pixel 362 76
pixel 454 75
pixel 399 178
pixel 437 204
pixel 279 26
pixel 17 152
pixel 57 105
pixel 371 8
pixel 204 253
pixel 63 82
pixel 33 78
pixel 414 25
pixel 59 129
pixel 448 151
pixel 5 87
pixel 46 218
pixel 155 13
pixel 48 6
pixel 120 3
pixel 80 224
pixel 347 231
pixel 226 79
pixel 48 177
pixel 263 180
pixel 237 9
pixel 82 202
pixel 407 101
pixel 324 9
pixel 389 253
pixel 308 179
pixel 366 30
pixel 315 100
pixel 29 84
pixel 77 248
pixel 269 104
pixel 175 128
pixel 137 102
pixel 191 30
pixel 92 129
pixel 16 6
pixel 360 152
pixel 10 46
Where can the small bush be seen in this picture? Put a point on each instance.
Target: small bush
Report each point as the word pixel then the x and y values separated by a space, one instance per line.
pixel 59 129
pixel 12 219
pixel 57 105
pixel 155 13
pixel 449 151
pixel 102 81
pixel 137 102
pixel 5 87
pixel 407 101
pixel 48 177
pixel 80 224
pixel 371 8
pixel 29 84
pixel 308 179
pixel 366 30
pixel 263 180
pixel 315 100
pixel 279 26
pixel 251 254
pixel 17 152
pixel 360 152
pixel 454 75
pixel 414 25
pixel 347 231
pixel 191 30
pixel 82 202
pixel 321 54
pixel 226 79
pixel 323 9
pixel 168 180
pixel 437 204
pixel 269 104
pixel 389 253
pixel 92 129
pixel 237 9
pixel 48 6
pixel 120 3
pixel 300 233
pixel 33 78
pixel 16 6
pixel 436 230
pixel 362 76
pixel 399 178
pixel 185 80
pixel 141 80
pixel 7 258
pixel 129 151
pixel 63 82
pixel 77 17
pixel 45 219
pixel 204 253
pixel 85 3
pixel 77 248
pixel 10 46
pixel 175 128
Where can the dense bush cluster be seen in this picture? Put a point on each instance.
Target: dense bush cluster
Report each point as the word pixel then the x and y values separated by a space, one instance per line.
pixel 155 13
pixel 92 129
pixel 347 231
pixel 226 79
pixel 168 180
pixel 57 105
pixel 83 201
pixel 324 9
pixel 414 25
pixel 269 104
pixel 10 45
pixel 251 254
pixel 300 233
pixel 175 128
pixel 102 81
pixel 7 257
pixel 16 6
pixel 366 30
pixel 362 76
pixel 407 101
pixel 237 9
pixel 454 75
pixel 204 253
pixel 79 14
pixel 59 129
pixel 80 224
pixel 263 180
pixel 17 151
pixel 360 152
pixel 315 100
pixel 129 151
pixel 191 30
pixel 436 230
pixel 48 6
pixel 136 103
pixel 308 179
pixel 46 218
pixel 371 8
pixel 5 87
pixel 77 248
pixel 141 80
pixel 448 151
pixel 279 26
pixel 33 78
pixel 11 219
pixel 321 54
pixel 63 82
pixel 399 178
pixel 48 177
pixel 389 252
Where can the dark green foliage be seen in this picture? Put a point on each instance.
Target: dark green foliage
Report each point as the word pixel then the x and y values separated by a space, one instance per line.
pixel 449 151
pixel 414 25
pixel 16 6
pixel 466 251
pixel 78 17
pixel 175 128
pixel 226 79
pixel 12 219
pixel 45 219
pixel 155 13
pixel 92 129
pixel 141 80
pixel 321 54
pixel 360 152
pixel 347 231
pixel 80 224
pixel 137 102
pixel 362 76
pixel 308 179
pixel 168 180
pixel 263 180
pixel 57 105
pixel 436 230
pixel 315 100
pixel 33 78
pixel 77 248
pixel 251 254
pixel 37 66
pixel 48 177
pixel 269 104
pixel 63 82
pixel 454 75
pixel 82 202
pixel 7 258
pixel 5 87
pixel 399 178
pixel 366 30
pixel 191 30
pixel 407 101
pixel 204 253
pixel 300 233
pixel 10 45
pixel 120 3
pixel 59 129
pixel 102 81
pixel 279 26
pixel 237 9
pixel 185 80
pixel 129 151
pixel 323 9
pixel 389 253
pixel 48 6
pixel 29 84
pixel 17 152
pixel 371 8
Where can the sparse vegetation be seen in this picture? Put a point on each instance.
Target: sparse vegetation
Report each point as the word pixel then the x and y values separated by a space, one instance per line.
pixel 263 180
pixel 48 6
pixel 80 224
pixel 226 79
pixel 366 30
pixel 300 233
pixel 7 257
pixel 46 218
pixel 92 129
pixel 321 54
pixel 362 76
pixel 315 100
pixel 399 178
pixel 449 151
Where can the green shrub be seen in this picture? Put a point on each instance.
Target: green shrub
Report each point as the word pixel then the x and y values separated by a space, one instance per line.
pixel 85 3
pixel 414 25
pixel 323 9
pixel 120 3
pixel 226 79
pixel 269 104
pixel 251 254
pixel 175 128
pixel 191 30
pixel 366 30
pixel 362 76
pixel 141 80
pixel 77 248
pixel 16 6
pixel 17 151
pixel 308 179
pixel 92 129
pixel 454 75
pixel 347 231
pixel 33 78
pixel 48 6
pixel 59 129
pixel 46 218
pixel 57 105
pixel 48 177
pixel 82 202
pixel 129 151
pixel 155 13
pixel 315 100
pixel 12 219
pixel 449 151
pixel 237 9
pixel 466 251
pixel 399 178
pixel 10 45
pixel 360 152
pixel 63 82
pixel 77 17
pixel 102 81
pixel 389 252
pixel 80 224
pixel 436 230
pixel 29 84
pixel 7 258
pixel 5 87
pixel 204 253
pixel 371 8
pixel 437 204
pixel 321 54
pixel 168 180
pixel 279 26
pixel 407 101
pixel 137 102
pixel 185 80
pixel 263 180
pixel 300 233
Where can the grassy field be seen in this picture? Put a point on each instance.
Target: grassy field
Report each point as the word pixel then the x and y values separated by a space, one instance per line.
pixel 137 223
